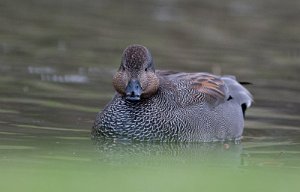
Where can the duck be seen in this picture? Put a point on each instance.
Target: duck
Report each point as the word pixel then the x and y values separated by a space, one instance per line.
pixel 167 106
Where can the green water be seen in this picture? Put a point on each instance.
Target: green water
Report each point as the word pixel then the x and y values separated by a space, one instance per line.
pixel 77 164
pixel 57 59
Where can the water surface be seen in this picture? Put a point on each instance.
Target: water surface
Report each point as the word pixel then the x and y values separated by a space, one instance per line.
pixel 57 59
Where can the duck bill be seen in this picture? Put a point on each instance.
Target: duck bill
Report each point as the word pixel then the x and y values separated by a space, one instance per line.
pixel 133 90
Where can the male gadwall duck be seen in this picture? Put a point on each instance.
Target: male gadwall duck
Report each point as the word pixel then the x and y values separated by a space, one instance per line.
pixel 166 106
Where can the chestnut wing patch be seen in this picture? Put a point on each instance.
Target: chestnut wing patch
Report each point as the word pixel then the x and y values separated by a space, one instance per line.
pixel 210 85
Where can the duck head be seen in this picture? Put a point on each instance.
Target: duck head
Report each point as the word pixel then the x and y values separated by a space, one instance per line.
pixel 136 78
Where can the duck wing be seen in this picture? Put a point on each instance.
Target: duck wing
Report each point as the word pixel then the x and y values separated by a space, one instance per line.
pixel 197 87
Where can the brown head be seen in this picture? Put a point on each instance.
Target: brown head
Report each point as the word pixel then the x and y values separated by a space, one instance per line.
pixel 136 78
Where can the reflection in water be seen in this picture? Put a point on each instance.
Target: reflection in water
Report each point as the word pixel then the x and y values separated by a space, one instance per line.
pixel 41 70
pixel 65 78
pixel 48 74
pixel 167 154
pixel 272 153
pixel 20 148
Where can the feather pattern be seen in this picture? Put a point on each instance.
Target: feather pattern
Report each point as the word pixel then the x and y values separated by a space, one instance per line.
pixel 168 106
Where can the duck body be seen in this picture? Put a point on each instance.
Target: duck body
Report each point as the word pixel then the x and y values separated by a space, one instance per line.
pixel 170 106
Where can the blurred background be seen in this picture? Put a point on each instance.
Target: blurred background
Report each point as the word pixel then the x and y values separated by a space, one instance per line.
pixel 57 59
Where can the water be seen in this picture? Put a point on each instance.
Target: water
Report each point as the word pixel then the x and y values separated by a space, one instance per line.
pixel 56 63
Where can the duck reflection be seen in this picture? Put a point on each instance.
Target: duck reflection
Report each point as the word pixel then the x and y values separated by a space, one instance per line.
pixel 118 152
